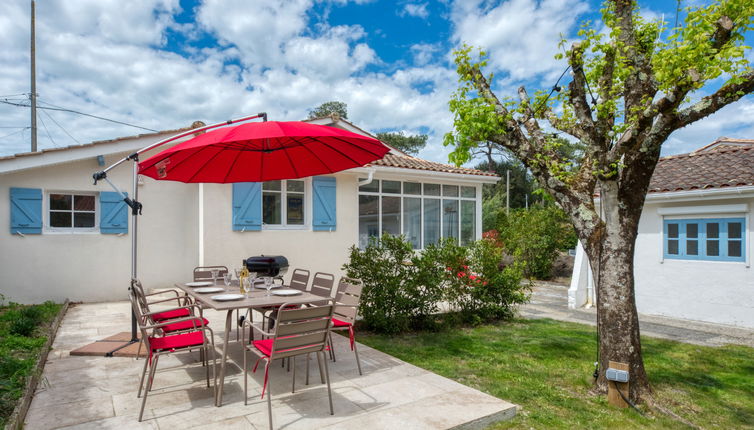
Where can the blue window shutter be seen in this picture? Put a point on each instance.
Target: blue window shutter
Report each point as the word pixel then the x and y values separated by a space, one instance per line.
pixel 26 210
pixel 247 206
pixel 324 190
pixel 113 213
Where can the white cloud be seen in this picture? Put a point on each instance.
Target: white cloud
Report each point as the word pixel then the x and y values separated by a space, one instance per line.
pixel 521 36
pixel 424 52
pixel 418 10
pixel 731 121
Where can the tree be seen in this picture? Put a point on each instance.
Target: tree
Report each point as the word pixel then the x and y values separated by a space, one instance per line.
pixel 410 144
pixel 630 89
pixel 329 108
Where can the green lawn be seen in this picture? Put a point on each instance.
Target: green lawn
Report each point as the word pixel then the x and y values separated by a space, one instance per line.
pixel 22 335
pixel 545 367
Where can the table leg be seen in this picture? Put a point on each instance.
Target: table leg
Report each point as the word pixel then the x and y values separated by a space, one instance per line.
pixel 226 335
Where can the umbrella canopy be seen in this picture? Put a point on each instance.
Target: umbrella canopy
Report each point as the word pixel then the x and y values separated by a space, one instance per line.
pixel 263 151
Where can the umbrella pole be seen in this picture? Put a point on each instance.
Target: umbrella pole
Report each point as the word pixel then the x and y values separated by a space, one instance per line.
pixel 134 238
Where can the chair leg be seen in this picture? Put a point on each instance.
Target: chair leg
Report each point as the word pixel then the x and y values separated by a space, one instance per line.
pixel 205 351
pixel 138 351
pixel 327 377
pixel 152 368
pixel 358 362
pixel 332 348
pixel 143 372
pixel 321 373
pixel 245 378
pixel 293 384
pixel 307 368
pixel 269 395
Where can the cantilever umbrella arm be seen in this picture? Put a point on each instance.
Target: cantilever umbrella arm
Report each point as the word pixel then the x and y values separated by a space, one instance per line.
pixel 133 201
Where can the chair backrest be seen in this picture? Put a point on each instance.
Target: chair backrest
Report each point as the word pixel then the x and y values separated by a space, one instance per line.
pixel 136 306
pixel 348 300
pixel 204 273
pixel 139 297
pixel 300 279
pixel 322 285
pixel 301 330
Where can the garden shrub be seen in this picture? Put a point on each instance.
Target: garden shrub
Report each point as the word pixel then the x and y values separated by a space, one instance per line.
pixel 536 236
pixel 403 288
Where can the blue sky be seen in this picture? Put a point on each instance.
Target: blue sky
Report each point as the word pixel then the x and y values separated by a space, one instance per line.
pixel 162 64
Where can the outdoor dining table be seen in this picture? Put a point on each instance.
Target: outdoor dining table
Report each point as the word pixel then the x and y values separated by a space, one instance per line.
pixel 256 299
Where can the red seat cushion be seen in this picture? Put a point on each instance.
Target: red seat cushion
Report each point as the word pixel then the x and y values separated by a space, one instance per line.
pixel 264 346
pixel 185 325
pixel 338 323
pixel 183 340
pixel 169 315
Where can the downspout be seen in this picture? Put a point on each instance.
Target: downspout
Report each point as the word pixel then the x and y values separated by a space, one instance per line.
pixel 369 178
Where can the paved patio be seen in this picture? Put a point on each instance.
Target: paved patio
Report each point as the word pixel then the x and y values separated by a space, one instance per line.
pixel 100 392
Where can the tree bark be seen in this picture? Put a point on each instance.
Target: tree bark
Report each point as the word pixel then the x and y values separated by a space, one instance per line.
pixel 611 255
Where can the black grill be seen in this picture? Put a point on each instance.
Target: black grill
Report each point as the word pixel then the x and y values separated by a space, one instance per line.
pixel 267 265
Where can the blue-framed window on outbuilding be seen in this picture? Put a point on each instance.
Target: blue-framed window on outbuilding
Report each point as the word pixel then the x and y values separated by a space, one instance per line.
pixel 713 239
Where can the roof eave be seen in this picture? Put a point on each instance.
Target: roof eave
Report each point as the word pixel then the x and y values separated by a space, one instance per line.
pixel 419 174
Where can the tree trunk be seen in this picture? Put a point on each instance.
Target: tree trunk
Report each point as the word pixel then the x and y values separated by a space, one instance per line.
pixel 612 261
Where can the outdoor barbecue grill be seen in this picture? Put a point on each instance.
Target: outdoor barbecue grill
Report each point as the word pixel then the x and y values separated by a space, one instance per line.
pixel 267 265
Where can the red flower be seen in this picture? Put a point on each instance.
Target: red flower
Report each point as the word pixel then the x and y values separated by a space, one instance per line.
pixel 484 283
pixel 461 274
pixel 472 277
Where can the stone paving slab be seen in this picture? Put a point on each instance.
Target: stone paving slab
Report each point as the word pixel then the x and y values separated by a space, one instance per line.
pixel 100 392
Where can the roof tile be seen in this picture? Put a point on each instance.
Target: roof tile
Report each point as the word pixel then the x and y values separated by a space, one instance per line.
pixel 721 168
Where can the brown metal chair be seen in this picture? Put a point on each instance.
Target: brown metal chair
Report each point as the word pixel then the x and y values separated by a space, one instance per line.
pixel 204 273
pixel 345 313
pixel 159 343
pixel 299 331
pixel 322 285
pixel 300 280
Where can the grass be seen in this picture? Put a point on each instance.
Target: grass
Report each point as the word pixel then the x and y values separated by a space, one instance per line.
pixel 23 332
pixel 545 366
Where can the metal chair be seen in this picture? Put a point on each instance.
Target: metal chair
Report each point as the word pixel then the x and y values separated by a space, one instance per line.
pixel 322 285
pixel 204 273
pixel 345 313
pixel 299 331
pixel 158 343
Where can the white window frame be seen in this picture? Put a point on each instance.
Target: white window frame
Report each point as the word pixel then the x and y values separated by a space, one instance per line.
pixel 284 206
pixel 48 228
pixel 422 197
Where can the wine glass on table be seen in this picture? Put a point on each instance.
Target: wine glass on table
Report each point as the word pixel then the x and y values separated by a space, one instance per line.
pixel 214 273
pixel 227 279
pixel 268 284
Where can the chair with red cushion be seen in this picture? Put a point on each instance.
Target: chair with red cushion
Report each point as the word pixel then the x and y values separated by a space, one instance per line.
pixel 345 313
pixel 298 331
pixel 194 334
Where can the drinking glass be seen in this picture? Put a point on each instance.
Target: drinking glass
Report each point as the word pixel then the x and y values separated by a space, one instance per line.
pixel 227 278
pixel 214 273
pixel 268 284
pixel 247 283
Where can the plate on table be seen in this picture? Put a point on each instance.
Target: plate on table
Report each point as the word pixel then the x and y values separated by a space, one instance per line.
pixel 199 284
pixel 228 297
pixel 261 286
pixel 206 290
pixel 287 292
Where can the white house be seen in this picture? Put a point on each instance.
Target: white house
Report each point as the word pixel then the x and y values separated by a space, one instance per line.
pixel 693 251
pixel 67 238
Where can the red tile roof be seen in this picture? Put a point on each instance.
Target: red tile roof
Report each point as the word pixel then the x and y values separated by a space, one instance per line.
pixel 409 162
pixel 727 166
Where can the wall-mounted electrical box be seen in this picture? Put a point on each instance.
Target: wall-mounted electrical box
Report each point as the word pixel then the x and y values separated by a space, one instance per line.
pixel 616 375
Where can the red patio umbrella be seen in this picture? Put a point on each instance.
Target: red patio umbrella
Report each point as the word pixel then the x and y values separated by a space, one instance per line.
pixel 263 151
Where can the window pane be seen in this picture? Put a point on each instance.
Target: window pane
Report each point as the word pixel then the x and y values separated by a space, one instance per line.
pixel 368 219
pixel 713 248
pixel 734 230
pixel 393 187
pixel 692 247
pixel 271 186
pixel 60 219
pixel 83 203
pixel 672 230
pixel 431 221
pixel 468 221
pixel 450 190
pixel 60 202
pixel 412 221
pixel 673 247
pixel 371 187
pixel 431 190
pixel 271 208
pixel 412 188
pixel 450 218
pixel 734 248
pixel 468 192
pixel 713 230
pixel 294 186
pixel 391 215
pixel 83 219
pixel 295 209
pixel 692 231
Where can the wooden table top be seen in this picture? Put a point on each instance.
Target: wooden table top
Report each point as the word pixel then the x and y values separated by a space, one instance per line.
pixel 257 299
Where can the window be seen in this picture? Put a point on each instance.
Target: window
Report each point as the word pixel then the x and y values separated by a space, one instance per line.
pixel 716 239
pixel 422 212
pixel 71 212
pixel 283 203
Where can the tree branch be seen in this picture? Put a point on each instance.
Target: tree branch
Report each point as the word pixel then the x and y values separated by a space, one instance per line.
pixel 714 102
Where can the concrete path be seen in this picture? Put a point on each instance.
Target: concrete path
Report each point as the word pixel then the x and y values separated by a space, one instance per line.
pixel 550 300
pixel 100 393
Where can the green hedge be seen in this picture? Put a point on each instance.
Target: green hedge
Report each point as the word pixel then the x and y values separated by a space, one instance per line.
pixel 403 289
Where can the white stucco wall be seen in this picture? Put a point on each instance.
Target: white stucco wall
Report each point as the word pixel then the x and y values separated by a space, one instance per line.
pixel 93 266
pixel 713 291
